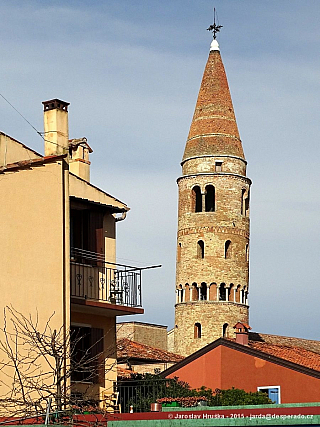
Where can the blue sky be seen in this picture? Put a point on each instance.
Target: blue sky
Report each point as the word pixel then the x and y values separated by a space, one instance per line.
pixel 131 71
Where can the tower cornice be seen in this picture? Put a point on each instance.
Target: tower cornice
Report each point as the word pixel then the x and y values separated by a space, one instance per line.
pixel 214 229
pixel 214 156
pixel 232 175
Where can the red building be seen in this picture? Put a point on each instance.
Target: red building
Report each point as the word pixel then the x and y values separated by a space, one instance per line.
pixel 288 369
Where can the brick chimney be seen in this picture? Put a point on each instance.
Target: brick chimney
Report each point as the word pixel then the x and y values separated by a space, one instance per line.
pixel 56 129
pixel 242 333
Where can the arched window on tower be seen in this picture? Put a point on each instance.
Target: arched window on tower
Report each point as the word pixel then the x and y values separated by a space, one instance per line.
pixel 247 252
pixel 187 292
pixel 242 296
pixel 203 291
pixel 225 330
pixel 227 249
pixel 197 330
pixel 200 249
pixel 210 198
pixel 180 294
pixel 243 201
pixel 237 297
pixel 197 199
pixel 231 292
pixel 222 292
pixel 195 292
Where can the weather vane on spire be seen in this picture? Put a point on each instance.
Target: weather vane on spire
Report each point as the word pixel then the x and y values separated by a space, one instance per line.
pixel 214 28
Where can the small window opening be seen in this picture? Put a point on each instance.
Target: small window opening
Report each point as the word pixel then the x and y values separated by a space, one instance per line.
pixel 210 198
pixel 247 252
pixel 222 292
pixel 218 166
pixel 224 330
pixel 197 198
pixel 242 296
pixel 203 292
pixel 246 205
pixel 200 249
pixel 243 201
pixel 179 252
pixel 227 249
pixel 197 330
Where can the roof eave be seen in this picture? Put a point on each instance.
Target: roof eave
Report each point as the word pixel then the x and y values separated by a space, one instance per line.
pixel 244 349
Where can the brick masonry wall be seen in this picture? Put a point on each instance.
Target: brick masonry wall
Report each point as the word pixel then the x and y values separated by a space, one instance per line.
pixel 212 316
pixel 229 221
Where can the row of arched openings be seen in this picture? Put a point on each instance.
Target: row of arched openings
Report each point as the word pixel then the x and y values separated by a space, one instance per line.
pixel 212 292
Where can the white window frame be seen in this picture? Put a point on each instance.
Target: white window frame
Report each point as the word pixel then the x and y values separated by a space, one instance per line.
pixel 271 386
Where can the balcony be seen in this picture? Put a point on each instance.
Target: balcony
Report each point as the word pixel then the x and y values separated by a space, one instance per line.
pixel 92 278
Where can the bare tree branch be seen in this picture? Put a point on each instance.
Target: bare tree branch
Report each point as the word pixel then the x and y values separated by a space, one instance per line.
pixel 32 365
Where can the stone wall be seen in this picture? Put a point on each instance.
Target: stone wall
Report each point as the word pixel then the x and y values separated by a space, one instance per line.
pixel 145 333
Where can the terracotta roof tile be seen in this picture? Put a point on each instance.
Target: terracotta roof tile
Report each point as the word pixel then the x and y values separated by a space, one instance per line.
pixel 23 164
pixel 128 349
pixel 124 373
pixel 296 350
pixel 214 129
pixel 311 345
pixel 298 355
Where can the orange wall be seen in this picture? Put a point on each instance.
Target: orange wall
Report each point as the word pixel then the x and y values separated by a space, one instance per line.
pixel 205 370
pixel 224 368
pixel 241 370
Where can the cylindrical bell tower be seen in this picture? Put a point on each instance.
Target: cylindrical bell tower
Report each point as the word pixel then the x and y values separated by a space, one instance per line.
pixel 212 271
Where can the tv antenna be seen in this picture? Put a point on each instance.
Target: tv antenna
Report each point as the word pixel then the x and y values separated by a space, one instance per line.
pixel 215 28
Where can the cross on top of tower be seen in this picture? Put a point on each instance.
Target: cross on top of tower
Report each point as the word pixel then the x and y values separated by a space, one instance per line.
pixel 215 28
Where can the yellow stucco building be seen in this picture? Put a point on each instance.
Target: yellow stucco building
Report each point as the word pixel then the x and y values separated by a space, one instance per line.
pixel 58 247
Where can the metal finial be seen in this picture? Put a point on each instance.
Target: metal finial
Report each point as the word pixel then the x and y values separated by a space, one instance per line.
pixel 214 28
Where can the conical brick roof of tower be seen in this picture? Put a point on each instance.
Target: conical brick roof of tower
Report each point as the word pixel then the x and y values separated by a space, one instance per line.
pixel 214 130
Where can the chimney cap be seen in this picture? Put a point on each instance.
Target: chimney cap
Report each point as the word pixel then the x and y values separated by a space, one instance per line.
pixel 242 327
pixel 55 104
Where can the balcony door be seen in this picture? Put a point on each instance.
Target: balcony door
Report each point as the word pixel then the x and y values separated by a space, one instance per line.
pixel 86 229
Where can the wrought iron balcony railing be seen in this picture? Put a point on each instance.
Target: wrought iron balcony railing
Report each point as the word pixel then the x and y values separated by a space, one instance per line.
pixel 94 278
